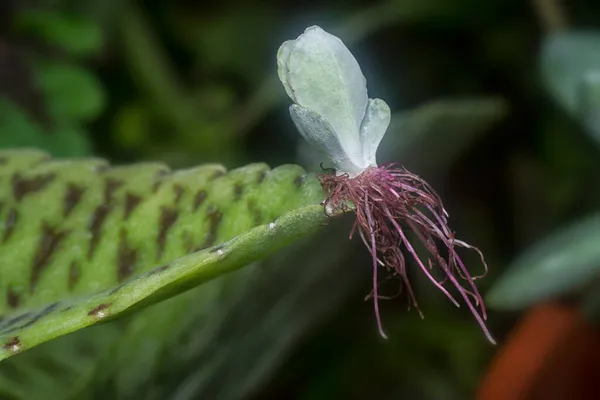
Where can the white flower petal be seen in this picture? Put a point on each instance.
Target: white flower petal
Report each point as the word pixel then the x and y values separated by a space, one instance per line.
pixel 325 78
pixel 376 122
pixel 320 134
pixel 283 59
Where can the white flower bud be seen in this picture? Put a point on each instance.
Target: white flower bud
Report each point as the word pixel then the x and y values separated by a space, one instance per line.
pixel 332 111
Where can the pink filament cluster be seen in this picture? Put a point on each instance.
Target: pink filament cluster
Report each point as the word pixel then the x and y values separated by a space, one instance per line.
pixel 388 201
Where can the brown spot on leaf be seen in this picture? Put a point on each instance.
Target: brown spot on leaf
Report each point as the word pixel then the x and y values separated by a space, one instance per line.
pixel 214 220
pixel 13 345
pixel 131 202
pixel 178 191
pixel 74 274
pixel 199 199
pixel 99 311
pixel 49 242
pixel 72 197
pixel 24 186
pixel 98 218
pixel 168 216
pixel 9 224
pixel 13 299
pixel 126 258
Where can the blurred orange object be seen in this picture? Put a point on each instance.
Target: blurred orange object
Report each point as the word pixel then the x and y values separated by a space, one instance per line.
pixel 553 354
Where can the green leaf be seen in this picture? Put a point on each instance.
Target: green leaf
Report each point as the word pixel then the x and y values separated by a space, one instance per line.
pixel 570 64
pixel 84 243
pixel 561 263
pixel 72 33
pixel 72 93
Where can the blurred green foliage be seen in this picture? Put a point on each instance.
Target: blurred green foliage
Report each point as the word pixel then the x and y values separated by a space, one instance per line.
pixel 495 103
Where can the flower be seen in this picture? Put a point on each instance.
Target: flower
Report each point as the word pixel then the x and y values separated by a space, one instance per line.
pixel 332 110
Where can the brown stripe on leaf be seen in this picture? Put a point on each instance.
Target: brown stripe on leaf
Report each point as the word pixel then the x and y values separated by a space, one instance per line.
pixel 98 218
pixel 24 186
pixel 214 220
pixel 101 213
pixel 178 191
pixel 199 199
pixel 13 299
pixel 72 197
pixel 74 274
pixel 126 257
pixel 131 202
pixel 49 242
pixel 168 216
pixel 9 224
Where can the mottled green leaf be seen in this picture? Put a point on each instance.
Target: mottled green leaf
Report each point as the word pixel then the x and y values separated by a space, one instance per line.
pixel 561 263
pixel 223 339
pixel 83 242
